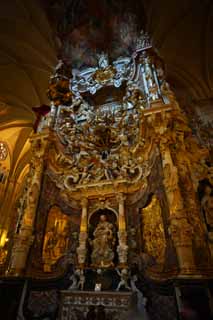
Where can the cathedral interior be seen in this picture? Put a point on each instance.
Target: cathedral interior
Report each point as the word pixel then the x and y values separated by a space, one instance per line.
pixel 106 162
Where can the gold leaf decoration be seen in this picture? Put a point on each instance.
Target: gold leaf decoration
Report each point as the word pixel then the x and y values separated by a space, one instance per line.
pixel 56 237
pixel 153 231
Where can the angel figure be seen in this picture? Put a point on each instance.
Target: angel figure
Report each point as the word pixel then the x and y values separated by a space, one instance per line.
pixel 124 276
pixel 75 280
pixel 141 300
pixel 81 280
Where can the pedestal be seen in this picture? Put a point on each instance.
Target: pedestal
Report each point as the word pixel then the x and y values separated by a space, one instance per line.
pixel 76 304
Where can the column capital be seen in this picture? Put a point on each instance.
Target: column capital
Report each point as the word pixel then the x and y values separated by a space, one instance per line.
pixel 84 202
pixel 121 197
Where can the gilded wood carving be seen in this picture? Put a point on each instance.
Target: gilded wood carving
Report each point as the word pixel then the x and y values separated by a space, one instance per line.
pixel 153 231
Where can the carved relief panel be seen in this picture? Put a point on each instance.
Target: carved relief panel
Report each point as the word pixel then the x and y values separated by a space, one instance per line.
pixel 56 238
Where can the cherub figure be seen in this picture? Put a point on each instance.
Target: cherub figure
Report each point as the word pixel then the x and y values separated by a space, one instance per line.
pixel 124 276
pixel 141 299
pixel 81 280
pixel 75 280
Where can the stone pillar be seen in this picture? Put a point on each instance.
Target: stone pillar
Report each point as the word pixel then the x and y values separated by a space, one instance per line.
pixel 24 239
pixel 180 229
pixel 122 248
pixel 82 249
pixel 181 234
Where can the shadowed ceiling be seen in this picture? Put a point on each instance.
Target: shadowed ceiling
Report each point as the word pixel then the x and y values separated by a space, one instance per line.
pixel 30 31
pixel 33 33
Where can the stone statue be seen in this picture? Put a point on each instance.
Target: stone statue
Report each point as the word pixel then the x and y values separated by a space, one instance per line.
pixel 207 206
pixel 81 280
pixel 141 300
pixel 103 243
pixel 78 280
pixel 124 275
pixel 103 61
pixel 75 279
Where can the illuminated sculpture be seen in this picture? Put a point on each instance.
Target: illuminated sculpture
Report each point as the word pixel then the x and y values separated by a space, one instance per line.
pixel 116 145
pixel 102 253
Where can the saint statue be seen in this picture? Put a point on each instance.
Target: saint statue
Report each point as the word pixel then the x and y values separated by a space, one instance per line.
pixel 103 243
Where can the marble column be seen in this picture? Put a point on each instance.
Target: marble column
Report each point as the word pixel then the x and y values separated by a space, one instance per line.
pixel 24 239
pixel 82 248
pixel 122 248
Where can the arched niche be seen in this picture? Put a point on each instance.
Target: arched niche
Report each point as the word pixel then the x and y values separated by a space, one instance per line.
pixel 99 210
pixel 56 238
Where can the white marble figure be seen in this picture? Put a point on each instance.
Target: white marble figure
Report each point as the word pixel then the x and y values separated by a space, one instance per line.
pixel 81 280
pixel 124 276
pixel 103 61
pixel 141 300
pixel 75 279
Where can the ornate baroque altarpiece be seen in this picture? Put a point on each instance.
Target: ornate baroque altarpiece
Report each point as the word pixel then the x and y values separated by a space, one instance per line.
pixel 114 178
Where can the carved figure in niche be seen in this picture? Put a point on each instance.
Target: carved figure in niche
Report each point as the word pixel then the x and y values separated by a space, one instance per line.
pixel 103 243
pixel 61 238
pixel 207 206
pixel 56 238
pixel 124 275
pixel 49 244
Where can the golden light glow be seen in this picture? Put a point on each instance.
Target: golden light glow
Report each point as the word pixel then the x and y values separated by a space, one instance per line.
pixel 3 237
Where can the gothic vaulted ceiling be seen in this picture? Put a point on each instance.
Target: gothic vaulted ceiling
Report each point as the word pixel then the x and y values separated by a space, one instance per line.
pixel 183 33
pixel 27 56
pixel 181 30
